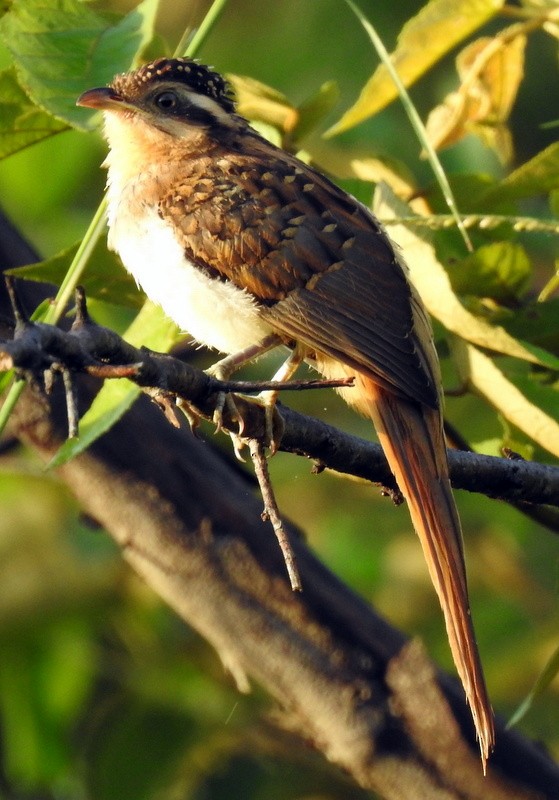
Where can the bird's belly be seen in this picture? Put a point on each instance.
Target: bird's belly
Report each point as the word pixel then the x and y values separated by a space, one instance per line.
pixel 216 313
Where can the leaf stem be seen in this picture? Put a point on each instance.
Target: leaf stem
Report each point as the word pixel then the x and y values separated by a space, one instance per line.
pixel 415 121
pixel 216 10
pixel 78 265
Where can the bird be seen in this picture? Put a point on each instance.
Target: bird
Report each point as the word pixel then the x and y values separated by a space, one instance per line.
pixel 248 248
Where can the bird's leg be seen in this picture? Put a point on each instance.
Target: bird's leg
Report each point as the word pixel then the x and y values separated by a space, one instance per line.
pixel 223 369
pixel 269 398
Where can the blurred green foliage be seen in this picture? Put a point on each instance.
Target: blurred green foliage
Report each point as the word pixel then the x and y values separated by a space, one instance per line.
pixel 103 692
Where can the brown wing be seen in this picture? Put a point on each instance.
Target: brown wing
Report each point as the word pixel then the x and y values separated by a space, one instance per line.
pixel 323 269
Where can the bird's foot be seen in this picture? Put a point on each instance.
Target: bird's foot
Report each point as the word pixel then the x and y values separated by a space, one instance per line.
pixel 192 416
pixel 273 421
pixel 222 371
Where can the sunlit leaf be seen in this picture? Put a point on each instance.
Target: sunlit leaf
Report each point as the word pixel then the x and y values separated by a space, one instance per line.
pixel 261 103
pixel 435 30
pixel 447 122
pixel 258 101
pixel 494 77
pixel 434 286
pixel 415 120
pixel 62 47
pixel 500 270
pixel 21 122
pixel 482 374
pixel 152 329
pixel 363 164
pixel 490 71
pixel 537 176
pixel 497 137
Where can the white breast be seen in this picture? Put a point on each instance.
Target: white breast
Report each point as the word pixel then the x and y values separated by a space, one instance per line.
pixel 216 313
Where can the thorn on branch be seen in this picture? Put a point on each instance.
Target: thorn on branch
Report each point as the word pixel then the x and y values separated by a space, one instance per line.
pixel 20 316
pixel 394 494
pixel 82 317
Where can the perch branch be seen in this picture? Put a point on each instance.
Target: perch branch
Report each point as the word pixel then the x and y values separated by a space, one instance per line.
pixel 95 350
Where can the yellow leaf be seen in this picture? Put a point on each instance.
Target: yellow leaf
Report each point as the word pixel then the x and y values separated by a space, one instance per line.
pixel 364 164
pixel 427 36
pixel 447 123
pixel 490 70
pixel 483 375
pixel 433 284
pixel 260 102
pixel 498 138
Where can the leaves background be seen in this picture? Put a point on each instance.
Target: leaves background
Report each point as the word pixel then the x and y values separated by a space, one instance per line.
pixel 103 692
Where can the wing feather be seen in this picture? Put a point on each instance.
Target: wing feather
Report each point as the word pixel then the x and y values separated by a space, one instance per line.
pixel 322 267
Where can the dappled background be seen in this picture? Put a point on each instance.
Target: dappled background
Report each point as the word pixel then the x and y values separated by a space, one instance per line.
pixel 103 691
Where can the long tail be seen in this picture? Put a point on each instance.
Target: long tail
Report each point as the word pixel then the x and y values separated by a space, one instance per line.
pixel 413 441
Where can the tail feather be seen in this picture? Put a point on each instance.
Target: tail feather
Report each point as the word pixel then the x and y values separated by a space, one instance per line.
pixel 413 441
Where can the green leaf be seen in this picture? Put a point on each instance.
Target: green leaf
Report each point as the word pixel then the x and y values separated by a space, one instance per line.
pixel 62 47
pixel 152 329
pixel 21 122
pixel 106 279
pixel 549 673
pixel 512 399
pixel 313 110
pixel 538 176
pixel 537 323
pixel 433 284
pixel 437 28
pixel 500 270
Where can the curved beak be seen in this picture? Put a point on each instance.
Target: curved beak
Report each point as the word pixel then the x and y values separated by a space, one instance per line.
pixel 102 98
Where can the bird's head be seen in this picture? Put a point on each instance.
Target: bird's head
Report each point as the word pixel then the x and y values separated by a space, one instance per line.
pixel 169 97
pixel 168 93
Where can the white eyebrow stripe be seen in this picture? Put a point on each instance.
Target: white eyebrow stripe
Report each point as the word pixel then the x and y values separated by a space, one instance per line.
pixel 202 101
pixel 212 106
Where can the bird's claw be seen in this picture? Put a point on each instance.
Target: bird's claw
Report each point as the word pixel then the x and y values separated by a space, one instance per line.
pixel 192 416
pixel 273 421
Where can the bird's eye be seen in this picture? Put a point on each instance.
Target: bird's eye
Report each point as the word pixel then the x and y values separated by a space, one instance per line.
pixel 166 101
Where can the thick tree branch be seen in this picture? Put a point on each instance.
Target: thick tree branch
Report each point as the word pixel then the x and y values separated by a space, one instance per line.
pixel 346 680
pixel 92 349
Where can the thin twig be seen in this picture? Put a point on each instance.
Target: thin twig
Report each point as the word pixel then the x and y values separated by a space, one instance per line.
pixel 71 401
pixel 271 511
pixel 248 387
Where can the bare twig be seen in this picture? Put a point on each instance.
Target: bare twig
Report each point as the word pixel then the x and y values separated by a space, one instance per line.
pixel 271 511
